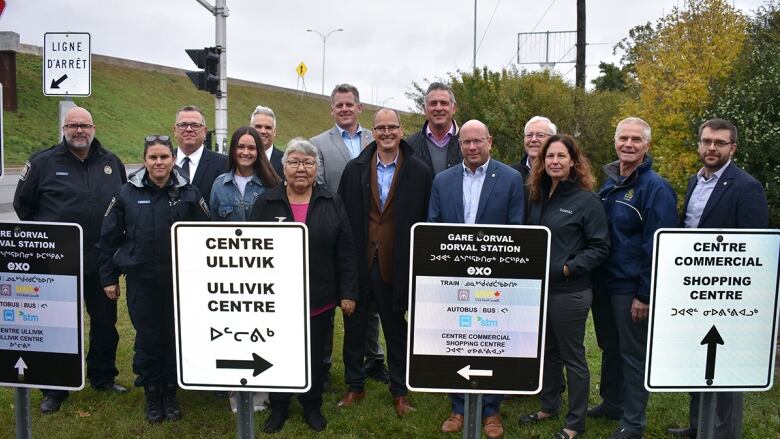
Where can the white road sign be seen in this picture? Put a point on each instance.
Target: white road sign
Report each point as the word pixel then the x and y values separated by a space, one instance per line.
pixel 67 64
pixel 241 297
pixel 714 310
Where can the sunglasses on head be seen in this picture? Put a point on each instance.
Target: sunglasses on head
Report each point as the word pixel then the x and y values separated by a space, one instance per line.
pixel 149 140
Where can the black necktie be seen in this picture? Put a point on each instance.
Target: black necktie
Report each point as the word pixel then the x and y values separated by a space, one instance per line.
pixel 185 167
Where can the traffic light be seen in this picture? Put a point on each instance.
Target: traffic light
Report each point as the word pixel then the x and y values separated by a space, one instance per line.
pixel 208 60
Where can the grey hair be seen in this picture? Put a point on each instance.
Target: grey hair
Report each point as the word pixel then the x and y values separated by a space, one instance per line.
pixel 553 128
pixel 303 146
pixel 397 116
pixel 440 86
pixel 262 110
pixel 635 121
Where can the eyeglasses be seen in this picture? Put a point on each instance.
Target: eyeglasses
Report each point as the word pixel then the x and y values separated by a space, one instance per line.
pixel 387 128
pixel 475 142
pixel 77 126
pixel 539 135
pixel 150 140
pixel 194 126
pixel 307 164
pixel 717 143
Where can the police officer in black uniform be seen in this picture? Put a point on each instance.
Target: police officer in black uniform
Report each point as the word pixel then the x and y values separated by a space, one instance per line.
pixel 73 181
pixel 136 241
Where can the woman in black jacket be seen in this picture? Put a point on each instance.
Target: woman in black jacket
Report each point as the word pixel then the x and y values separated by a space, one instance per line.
pixel 561 198
pixel 332 265
pixel 135 240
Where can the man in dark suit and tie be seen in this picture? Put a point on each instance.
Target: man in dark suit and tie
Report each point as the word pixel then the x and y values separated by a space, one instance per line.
pixel 479 191
pixel 721 195
pixel 201 165
pixel 263 120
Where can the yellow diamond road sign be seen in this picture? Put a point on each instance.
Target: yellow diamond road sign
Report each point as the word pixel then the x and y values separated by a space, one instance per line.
pixel 301 69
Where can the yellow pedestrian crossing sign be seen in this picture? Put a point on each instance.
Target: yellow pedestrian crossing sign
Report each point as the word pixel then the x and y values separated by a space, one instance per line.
pixel 301 69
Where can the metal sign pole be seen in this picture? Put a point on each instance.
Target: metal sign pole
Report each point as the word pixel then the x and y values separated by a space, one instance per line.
pixel 221 100
pixel 472 416
pixel 22 409
pixel 706 427
pixel 245 418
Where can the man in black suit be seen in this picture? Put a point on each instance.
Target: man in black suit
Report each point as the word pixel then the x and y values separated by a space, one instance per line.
pixel 201 165
pixel 721 195
pixel 263 120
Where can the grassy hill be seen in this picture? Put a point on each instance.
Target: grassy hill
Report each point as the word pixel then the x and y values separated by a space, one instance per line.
pixel 128 104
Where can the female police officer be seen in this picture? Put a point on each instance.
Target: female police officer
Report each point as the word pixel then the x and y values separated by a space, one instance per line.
pixel 136 241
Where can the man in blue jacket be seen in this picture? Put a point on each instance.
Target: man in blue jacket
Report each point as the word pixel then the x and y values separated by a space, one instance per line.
pixel 721 195
pixel 637 202
pixel 481 190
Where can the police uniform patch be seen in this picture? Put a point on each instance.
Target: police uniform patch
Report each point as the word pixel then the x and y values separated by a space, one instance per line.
pixel 629 195
pixel 107 169
pixel 110 206
pixel 204 206
pixel 25 170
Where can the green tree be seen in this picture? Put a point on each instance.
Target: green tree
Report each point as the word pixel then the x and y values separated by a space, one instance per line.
pixel 612 78
pixel 506 100
pixel 677 62
pixel 749 98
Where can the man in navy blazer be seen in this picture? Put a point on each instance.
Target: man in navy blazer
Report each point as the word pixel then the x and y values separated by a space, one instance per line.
pixel 202 166
pixel 721 195
pixel 479 191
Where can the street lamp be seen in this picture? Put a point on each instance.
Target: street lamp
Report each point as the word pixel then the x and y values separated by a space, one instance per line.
pixel 324 40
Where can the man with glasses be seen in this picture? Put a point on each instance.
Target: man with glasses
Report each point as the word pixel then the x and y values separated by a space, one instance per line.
pixel 338 145
pixel 385 191
pixel 263 120
pixel 722 196
pixel 436 143
pixel 481 190
pixel 73 182
pixel 536 131
pixel 199 164
pixel 637 202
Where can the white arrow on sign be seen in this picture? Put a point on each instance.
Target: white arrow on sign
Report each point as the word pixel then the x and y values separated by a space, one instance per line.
pixel 20 366
pixel 467 372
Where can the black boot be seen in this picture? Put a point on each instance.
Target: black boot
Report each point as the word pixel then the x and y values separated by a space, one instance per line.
pixel 154 413
pixel 170 405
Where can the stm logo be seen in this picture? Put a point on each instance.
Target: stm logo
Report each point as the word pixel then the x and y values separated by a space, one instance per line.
pixel 27 317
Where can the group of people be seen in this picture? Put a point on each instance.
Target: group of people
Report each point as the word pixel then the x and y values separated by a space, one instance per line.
pixel 360 191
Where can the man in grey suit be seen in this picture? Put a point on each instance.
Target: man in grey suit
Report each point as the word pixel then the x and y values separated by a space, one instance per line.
pixel 337 146
pixel 263 120
pixel 344 141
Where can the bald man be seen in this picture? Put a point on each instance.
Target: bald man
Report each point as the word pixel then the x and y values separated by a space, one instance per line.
pixel 73 182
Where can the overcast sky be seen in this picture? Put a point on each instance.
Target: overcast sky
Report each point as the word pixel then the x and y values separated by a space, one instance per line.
pixel 383 48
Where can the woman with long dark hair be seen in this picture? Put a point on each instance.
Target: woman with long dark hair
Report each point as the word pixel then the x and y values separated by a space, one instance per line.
pixel 561 198
pixel 249 175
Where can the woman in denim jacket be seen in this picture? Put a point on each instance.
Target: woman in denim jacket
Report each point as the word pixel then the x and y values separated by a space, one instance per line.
pixel 249 175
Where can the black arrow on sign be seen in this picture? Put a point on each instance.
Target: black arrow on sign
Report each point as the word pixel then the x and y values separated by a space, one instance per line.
pixel 258 363
pixel 56 83
pixel 712 340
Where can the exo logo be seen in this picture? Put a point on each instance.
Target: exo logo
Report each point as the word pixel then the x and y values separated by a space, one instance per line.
pixel 485 271
pixel 19 266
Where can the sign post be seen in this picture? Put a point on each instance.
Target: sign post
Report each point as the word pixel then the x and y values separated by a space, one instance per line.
pixel 67 64
pixel 713 314
pixel 40 299
pixel 241 297
pixel 477 309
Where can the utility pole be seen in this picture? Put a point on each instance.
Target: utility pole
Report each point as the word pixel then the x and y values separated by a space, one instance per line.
pixel 474 58
pixel 579 72
pixel 220 12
